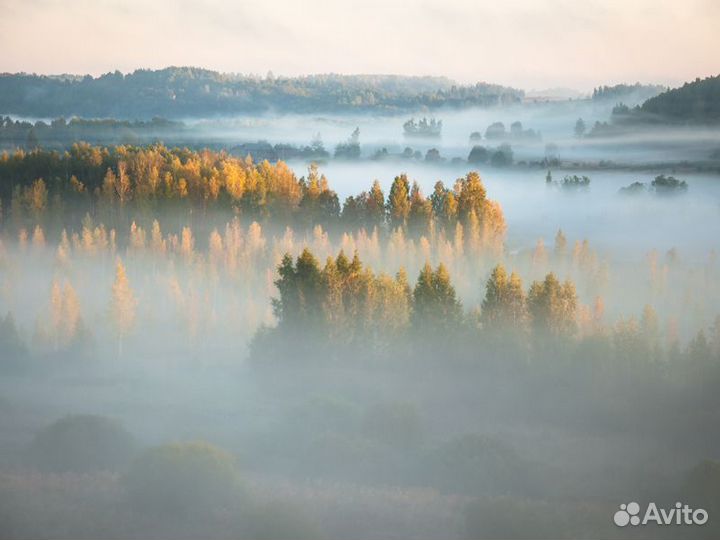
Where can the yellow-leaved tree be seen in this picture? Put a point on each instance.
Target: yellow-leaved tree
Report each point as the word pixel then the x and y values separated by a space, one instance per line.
pixel 123 305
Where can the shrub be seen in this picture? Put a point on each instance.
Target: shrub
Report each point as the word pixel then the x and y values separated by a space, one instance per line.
pixel 82 443
pixel 183 478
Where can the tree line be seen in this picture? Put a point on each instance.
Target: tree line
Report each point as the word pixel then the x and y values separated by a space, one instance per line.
pixel 184 91
pixel 125 183
pixel 325 312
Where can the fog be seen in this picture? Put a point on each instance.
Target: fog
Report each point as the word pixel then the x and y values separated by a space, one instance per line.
pixel 368 422
pixel 554 121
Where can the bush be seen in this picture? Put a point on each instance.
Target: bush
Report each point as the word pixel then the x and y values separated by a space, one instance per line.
pixel 183 478
pixel 575 182
pixel 82 443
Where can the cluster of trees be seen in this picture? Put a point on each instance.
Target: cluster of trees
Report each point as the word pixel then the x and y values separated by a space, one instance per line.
pixel 465 207
pixel 432 155
pixel 216 293
pixel 265 151
pixel 187 273
pixel 502 156
pixel 569 182
pixel 344 308
pixel 113 180
pixel 497 131
pixel 423 128
pixel 606 129
pixel 351 148
pixel 184 91
pixel 661 185
pixel 123 182
pixel 346 302
pixel 61 132
pixel 623 92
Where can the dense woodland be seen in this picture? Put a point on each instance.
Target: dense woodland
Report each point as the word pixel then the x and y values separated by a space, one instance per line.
pixel 696 102
pixel 627 93
pixel 191 92
pixel 117 200
pixel 126 183
pixel 386 361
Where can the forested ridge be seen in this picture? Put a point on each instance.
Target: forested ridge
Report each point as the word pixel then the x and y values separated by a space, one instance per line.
pixel 694 103
pixel 697 102
pixel 185 91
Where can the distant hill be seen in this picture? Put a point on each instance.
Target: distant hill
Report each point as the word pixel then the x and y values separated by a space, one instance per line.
pixel 177 92
pixel 554 94
pixel 694 102
pixel 629 94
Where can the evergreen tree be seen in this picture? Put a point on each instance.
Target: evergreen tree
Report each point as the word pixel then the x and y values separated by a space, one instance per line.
pixel 472 197
pixel 398 204
pixel 420 214
pixel 436 310
pixel 376 206
pixel 504 307
pixel 580 128
pixel 301 292
pixel 552 307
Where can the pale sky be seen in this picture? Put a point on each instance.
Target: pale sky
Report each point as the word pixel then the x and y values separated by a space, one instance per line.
pixel 531 44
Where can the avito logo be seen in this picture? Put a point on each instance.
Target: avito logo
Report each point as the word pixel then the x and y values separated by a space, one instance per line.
pixel 681 514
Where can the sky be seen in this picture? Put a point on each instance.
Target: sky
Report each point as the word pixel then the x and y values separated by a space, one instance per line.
pixel 530 44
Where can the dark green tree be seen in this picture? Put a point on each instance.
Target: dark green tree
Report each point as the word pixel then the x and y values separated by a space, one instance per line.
pixel 436 309
pixel 301 292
